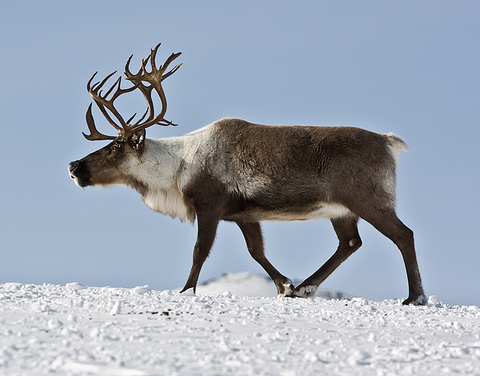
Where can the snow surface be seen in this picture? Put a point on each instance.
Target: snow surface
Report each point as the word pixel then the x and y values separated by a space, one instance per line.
pixel 80 330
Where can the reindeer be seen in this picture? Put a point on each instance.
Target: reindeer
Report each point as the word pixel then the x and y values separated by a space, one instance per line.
pixel 237 171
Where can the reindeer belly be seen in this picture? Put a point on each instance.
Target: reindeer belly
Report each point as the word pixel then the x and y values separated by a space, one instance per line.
pixel 323 210
pixel 286 214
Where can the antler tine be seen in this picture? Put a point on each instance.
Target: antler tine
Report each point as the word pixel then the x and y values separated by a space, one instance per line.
pixel 97 85
pixel 129 74
pixel 153 55
pixel 94 133
pixel 143 117
pixel 167 63
pixel 174 69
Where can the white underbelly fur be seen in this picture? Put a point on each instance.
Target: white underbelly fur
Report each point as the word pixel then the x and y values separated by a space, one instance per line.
pixel 323 211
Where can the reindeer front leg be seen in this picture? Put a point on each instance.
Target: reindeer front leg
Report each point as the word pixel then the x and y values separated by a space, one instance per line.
pixel 253 237
pixel 207 228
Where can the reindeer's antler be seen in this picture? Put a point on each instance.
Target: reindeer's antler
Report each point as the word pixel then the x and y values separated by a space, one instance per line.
pixel 154 79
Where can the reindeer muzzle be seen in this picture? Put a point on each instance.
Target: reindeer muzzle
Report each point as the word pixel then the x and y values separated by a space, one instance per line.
pixel 79 173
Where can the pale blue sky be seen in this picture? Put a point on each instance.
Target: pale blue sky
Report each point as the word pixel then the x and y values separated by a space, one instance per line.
pixel 406 67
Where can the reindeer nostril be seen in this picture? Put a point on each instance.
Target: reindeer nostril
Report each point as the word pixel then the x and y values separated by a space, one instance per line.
pixel 72 167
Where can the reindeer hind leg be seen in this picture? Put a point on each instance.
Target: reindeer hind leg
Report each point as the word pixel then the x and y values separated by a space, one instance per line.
pixel 349 242
pixel 390 226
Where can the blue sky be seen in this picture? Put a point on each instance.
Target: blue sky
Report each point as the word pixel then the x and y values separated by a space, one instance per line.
pixel 406 67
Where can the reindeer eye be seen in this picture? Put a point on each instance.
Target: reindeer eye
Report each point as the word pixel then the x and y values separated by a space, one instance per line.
pixel 116 146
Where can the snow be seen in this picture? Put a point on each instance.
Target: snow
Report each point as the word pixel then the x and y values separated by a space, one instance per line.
pixel 81 330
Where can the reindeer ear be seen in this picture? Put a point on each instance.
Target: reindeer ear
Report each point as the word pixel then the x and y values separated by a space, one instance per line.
pixel 137 140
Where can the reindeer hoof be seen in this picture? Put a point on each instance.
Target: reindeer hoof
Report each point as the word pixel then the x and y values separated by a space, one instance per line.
pixel 187 288
pixel 421 300
pixel 286 290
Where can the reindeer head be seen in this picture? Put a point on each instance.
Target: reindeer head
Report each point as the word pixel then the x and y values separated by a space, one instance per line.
pixel 110 164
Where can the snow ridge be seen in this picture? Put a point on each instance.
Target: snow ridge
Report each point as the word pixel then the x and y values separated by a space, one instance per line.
pixel 80 330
